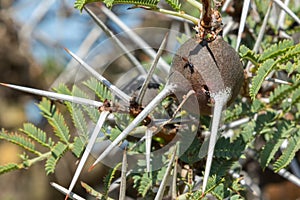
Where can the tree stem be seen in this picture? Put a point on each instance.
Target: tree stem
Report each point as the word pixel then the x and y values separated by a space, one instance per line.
pixel 206 13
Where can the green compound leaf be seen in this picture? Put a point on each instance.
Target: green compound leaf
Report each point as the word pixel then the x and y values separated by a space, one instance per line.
pixel 99 89
pixel 63 89
pixel 276 50
pixel 280 93
pixel 36 134
pixel 50 165
pixel 174 4
pixel 219 191
pixel 79 4
pixel 234 112
pixel 147 3
pixel 56 153
pixel 256 106
pixel 75 111
pixel 78 119
pixel 262 73
pixel 221 166
pixel 289 153
pixel 60 127
pixel 46 107
pixel 213 182
pixel 78 146
pixel 276 56
pixel 93 113
pixel 291 67
pixel 248 54
pixel 108 179
pixel 145 184
pixel 19 140
pixel 269 150
pixel 8 167
pixel 296 97
pixel 115 132
pixel 56 120
pixel 291 53
pixel 227 149
pixel 265 121
pixel 247 132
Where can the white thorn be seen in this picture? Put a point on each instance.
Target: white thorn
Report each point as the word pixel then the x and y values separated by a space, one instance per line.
pixel 64 191
pixel 55 96
pixel 119 93
pixel 166 91
pixel 88 149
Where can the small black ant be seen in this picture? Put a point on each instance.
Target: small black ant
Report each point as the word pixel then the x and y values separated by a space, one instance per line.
pixel 188 64
pixel 205 90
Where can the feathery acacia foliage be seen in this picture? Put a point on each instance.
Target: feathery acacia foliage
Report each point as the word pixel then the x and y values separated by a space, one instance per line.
pixel 56 153
pixel 109 178
pixel 148 4
pixel 33 135
pixel 273 58
pixel 289 153
pixel 79 4
pixel 174 4
pixel 19 140
pixel 282 57
pixel 8 167
pixel 52 151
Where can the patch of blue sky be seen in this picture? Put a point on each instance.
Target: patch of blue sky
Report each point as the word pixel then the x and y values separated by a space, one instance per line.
pixel 67 31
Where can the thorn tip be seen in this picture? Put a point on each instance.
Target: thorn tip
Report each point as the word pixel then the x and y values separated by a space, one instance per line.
pixel 67 197
pixel 4 84
pixel 91 168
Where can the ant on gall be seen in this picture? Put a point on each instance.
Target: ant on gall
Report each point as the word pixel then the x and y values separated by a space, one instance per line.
pixel 188 64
